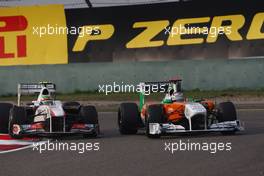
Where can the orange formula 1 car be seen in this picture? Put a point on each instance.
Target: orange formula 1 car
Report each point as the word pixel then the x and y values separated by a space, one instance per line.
pixel 175 114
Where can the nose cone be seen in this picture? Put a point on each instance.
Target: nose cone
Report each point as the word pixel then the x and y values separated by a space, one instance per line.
pixel 56 111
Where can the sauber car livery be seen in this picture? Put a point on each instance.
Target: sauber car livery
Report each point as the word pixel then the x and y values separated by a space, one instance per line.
pixel 46 116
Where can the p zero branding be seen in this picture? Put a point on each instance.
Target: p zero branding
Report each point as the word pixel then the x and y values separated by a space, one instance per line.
pixel 129 33
pixel 106 31
pixel 153 28
pixel 20 43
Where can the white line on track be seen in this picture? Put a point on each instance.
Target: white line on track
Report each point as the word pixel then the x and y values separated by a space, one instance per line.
pixel 14 150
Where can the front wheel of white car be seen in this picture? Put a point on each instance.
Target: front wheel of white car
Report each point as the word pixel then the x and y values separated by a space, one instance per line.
pixel 4 116
pixel 17 117
pixel 89 115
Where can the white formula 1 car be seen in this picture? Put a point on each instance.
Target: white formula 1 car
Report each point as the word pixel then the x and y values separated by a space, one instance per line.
pixel 47 116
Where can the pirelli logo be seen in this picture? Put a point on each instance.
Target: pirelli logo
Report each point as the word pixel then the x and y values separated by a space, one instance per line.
pixel 18 45
pixel 12 24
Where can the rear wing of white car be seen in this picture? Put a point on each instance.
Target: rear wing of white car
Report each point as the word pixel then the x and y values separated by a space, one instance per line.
pixel 33 88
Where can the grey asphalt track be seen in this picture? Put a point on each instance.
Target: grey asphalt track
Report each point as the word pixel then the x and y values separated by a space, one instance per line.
pixel 137 155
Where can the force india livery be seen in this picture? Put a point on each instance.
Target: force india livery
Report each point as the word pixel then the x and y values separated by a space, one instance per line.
pixel 47 116
pixel 175 114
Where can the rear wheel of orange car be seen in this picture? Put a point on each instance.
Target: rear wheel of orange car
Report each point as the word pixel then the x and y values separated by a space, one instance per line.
pixel 226 112
pixel 128 118
pixel 155 114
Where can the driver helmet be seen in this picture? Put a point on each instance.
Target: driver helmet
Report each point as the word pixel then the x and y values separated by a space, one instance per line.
pixel 177 96
pixel 45 97
pixel 173 95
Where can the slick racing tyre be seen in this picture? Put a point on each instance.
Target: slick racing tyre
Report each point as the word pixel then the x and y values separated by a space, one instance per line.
pixel 128 118
pixel 226 112
pixel 155 115
pixel 17 117
pixel 89 115
pixel 4 116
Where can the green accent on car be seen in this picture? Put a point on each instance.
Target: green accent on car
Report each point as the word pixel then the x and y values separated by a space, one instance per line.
pixel 166 101
pixel 141 100
pixel 45 96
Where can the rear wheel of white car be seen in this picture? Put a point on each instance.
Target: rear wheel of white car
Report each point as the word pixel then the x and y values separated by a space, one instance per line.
pixel 128 118
pixel 89 115
pixel 4 116
pixel 155 115
pixel 226 112
pixel 18 116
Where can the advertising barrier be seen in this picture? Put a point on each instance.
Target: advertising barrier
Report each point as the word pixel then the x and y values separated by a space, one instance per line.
pixel 201 30
pixel 168 31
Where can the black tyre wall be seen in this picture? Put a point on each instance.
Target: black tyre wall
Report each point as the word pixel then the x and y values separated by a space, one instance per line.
pixel 226 112
pixel 89 115
pixel 18 115
pixel 156 113
pixel 129 118
pixel 4 116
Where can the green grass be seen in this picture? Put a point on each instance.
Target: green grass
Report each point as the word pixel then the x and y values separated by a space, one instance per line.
pixel 95 96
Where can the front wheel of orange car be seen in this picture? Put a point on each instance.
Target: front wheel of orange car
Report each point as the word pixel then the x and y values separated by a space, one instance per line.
pixel 227 112
pixel 155 114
